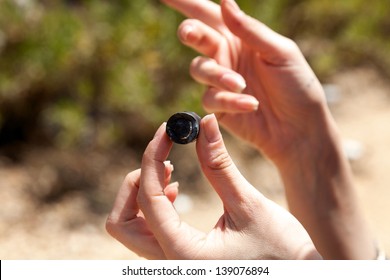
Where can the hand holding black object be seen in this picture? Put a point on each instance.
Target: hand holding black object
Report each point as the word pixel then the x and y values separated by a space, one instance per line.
pixel 250 227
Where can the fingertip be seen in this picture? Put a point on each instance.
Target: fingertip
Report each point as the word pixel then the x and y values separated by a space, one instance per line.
pixel 231 8
pixel 209 140
pixel 210 129
pixel 160 129
pixel 169 168
pixel 215 100
pixel 158 148
pixel 199 36
pixel 161 135
pixel 247 103
pixel 185 30
pixel 234 82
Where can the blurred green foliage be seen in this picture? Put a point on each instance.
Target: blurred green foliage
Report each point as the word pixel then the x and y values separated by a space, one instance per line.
pixel 98 74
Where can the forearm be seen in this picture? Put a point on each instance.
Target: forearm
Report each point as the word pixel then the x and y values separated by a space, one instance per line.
pixel 320 193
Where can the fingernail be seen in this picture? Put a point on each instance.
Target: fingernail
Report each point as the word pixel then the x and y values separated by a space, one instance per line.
pixel 232 4
pixel 211 128
pixel 174 184
pixel 234 82
pixel 248 102
pixel 185 32
pixel 170 165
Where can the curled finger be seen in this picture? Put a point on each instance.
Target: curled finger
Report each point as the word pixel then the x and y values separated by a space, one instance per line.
pixel 200 37
pixel 207 71
pixel 218 101
pixel 126 223
pixel 171 191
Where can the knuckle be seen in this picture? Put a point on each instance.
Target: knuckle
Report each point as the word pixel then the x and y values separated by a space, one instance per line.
pixel 219 160
pixel 145 200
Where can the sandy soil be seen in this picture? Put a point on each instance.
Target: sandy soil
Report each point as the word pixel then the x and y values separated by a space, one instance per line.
pixel 72 225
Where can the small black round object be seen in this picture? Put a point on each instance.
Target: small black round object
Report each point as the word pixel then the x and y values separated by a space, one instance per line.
pixel 183 127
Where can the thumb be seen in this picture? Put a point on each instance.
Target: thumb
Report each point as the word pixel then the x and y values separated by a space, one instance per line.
pixel 274 48
pixel 219 168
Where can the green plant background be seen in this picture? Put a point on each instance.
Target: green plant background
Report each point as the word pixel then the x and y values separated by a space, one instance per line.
pixel 102 74
pixel 85 84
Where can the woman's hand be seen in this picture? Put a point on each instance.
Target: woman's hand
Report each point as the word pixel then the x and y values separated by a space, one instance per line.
pixel 282 111
pixel 252 227
pixel 280 90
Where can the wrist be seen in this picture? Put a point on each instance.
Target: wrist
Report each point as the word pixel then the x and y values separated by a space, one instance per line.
pixel 318 173
pixel 321 195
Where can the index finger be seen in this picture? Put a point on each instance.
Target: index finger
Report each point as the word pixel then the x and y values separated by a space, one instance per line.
pixel 203 10
pixel 274 47
pixel 158 210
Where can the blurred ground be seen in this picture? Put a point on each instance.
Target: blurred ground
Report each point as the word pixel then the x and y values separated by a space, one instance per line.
pixel 52 209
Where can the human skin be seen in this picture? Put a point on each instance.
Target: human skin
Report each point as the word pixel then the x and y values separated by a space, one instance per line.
pixel 251 227
pixel 264 92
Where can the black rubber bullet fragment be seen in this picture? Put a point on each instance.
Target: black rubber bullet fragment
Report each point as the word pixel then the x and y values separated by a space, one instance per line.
pixel 183 127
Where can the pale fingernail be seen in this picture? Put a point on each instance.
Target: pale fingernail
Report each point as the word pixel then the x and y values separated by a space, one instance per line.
pixel 174 184
pixel 211 129
pixel 248 102
pixel 185 32
pixel 168 163
pixel 233 82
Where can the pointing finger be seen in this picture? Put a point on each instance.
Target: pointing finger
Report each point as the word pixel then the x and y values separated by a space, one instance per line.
pixel 157 207
pixel 207 71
